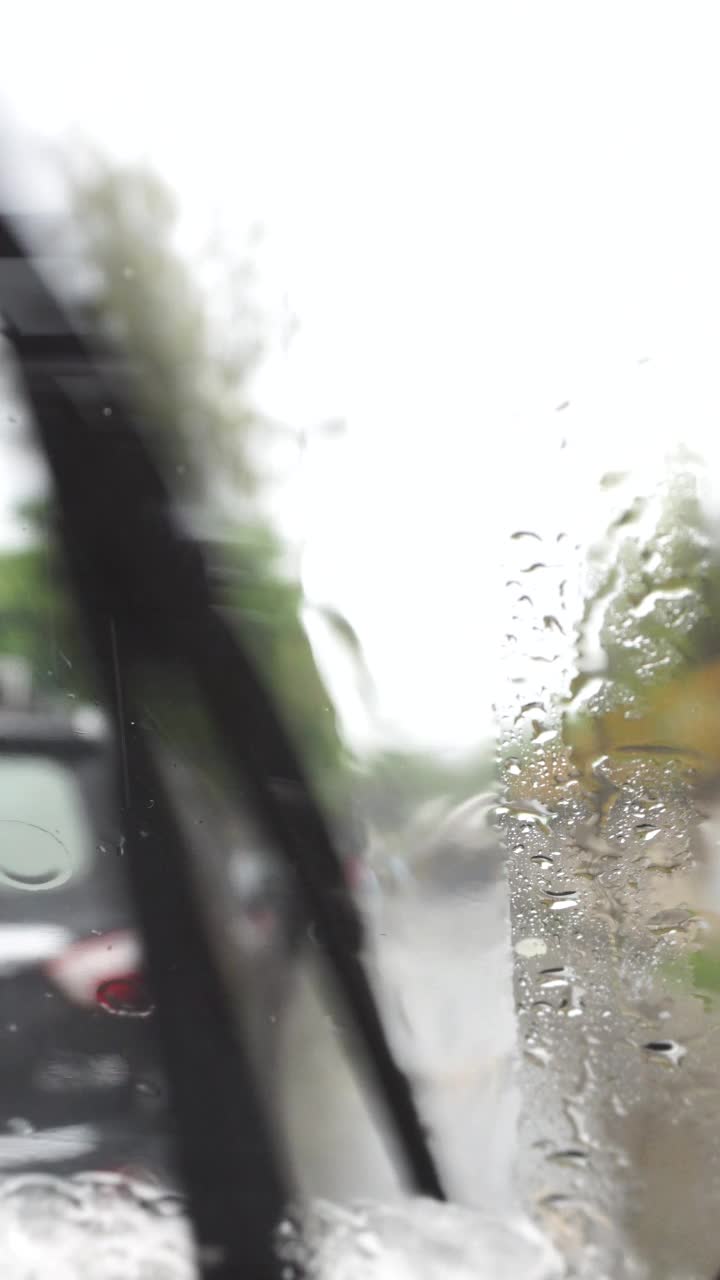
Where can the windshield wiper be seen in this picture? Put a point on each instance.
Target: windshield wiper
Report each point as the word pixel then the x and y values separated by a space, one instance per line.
pixel 144 594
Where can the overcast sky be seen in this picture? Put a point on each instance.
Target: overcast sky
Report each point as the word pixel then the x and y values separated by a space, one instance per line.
pixel 479 211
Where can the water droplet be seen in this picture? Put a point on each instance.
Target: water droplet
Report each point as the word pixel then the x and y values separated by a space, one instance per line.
pixel 528 812
pixel 668 1051
pixel 525 533
pixel 530 819
pixel 528 947
pixel 569 1156
pixel 563 904
pixel 541 861
pixel 674 918
pixel 582 688
pixel 538 1054
pixel 107 411
pixel 554 978
pixel 543 1008
pixel 551 623
pixel 529 706
pixel 661 596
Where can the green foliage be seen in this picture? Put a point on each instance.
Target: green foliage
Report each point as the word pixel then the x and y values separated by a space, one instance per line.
pixel 191 351
pixel 659 594
pixel 655 608
pixel 36 621
pixel 192 355
pixel 663 617
pixel 191 375
pixel 705 970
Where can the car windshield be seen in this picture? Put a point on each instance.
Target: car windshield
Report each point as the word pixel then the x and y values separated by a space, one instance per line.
pixel 409 314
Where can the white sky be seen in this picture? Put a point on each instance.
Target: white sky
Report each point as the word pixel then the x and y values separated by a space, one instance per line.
pixel 479 211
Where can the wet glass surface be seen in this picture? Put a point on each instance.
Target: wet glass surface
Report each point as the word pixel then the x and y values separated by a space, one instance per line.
pixel 446 428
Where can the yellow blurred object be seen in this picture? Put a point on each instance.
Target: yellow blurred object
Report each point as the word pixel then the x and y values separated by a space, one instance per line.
pixel 682 720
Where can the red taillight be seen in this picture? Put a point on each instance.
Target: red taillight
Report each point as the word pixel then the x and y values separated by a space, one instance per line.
pixel 127 996
pixel 105 970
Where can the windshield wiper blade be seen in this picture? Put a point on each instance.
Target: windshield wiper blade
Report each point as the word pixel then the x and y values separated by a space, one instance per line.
pixel 129 561
pixel 233 1175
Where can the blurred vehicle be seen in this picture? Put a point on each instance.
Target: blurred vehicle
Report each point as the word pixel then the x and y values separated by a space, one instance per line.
pixel 443 848
pixel 79 1066
pixel 70 1049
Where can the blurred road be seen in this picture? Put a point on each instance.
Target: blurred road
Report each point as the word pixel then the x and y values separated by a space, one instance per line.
pixel 443 972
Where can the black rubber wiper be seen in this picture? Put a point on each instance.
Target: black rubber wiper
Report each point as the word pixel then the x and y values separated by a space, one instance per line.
pixel 144 593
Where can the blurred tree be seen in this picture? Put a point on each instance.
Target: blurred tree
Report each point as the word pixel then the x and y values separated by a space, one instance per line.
pixel 191 356
pixel 28 610
pixel 193 337
pixel 192 351
pixel 660 636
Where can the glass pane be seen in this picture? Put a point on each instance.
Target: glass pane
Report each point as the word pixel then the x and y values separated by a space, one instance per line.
pixel 419 305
